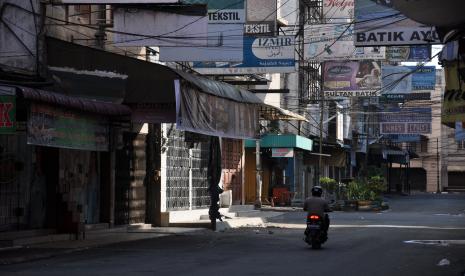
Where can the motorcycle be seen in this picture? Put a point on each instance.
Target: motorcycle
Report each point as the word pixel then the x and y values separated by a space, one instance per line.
pixel 315 234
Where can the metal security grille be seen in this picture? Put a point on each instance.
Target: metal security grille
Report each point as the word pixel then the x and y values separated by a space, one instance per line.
pixel 177 172
pixel 182 191
pixel 12 193
pixel 200 193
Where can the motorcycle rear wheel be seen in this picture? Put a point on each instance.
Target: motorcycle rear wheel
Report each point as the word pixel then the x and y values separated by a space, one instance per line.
pixel 316 244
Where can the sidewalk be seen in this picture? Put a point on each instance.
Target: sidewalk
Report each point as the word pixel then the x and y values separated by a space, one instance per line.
pixel 97 238
pixel 43 247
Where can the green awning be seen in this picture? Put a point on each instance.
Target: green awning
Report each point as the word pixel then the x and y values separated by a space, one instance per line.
pixel 282 141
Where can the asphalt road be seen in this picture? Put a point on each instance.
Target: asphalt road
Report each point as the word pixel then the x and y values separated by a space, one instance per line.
pixel 359 244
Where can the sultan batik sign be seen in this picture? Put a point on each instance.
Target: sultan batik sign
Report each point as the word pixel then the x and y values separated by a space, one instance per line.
pixel 352 79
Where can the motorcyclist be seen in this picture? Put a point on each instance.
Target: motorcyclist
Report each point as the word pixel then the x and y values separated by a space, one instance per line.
pixel 317 205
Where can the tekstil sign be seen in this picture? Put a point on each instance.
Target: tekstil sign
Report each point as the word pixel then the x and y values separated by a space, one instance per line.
pixel 259 28
pixel 7 114
pixel 226 16
pixel 282 152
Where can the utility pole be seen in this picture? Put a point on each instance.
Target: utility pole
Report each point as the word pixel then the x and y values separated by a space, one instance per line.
pixel 367 133
pixel 320 157
pixel 437 164
pixel 258 177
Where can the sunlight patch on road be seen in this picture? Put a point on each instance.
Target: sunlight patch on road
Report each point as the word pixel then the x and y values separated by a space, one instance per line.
pixel 450 215
pixel 437 242
pixel 303 226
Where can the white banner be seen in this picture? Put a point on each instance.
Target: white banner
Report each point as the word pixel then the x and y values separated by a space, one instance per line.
pixel 336 42
pixel 338 10
pixel 172 29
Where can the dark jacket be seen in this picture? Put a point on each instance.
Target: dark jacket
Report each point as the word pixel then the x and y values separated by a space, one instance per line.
pixel 316 205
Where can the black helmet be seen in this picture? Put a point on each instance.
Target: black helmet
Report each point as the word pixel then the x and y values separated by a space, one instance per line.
pixel 317 191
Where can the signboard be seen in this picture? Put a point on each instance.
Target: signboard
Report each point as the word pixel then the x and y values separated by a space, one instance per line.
pixel 396 80
pixel 416 53
pixel 459 131
pixel 116 1
pixel 399 138
pixel 403 97
pixel 261 10
pixel 352 78
pixel 282 152
pixel 413 114
pixel 287 13
pixel 406 121
pixel 166 28
pixel 336 42
pixel 225 31
pixel 261 17
pixel 454 103
pixel 405 128
pixel 261 55
pixel 338 10
pixel 225 43
pixel 259 28
pixel 7 114
pixel 423 78
pixel 377 23
pixel 62 128
pixel 404 79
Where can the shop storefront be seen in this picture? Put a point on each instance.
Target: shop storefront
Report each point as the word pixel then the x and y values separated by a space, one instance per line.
pixel 285 177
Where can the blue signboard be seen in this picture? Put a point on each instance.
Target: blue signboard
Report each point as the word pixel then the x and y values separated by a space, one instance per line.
pixel 398 115
pixel 261 55
pixel 396 80
pixel 415 53
pixel 424 78
pixel 404 79
pixel 459 131
pixel 398 138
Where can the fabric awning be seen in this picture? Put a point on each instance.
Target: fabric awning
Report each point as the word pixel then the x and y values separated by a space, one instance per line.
pixel 220 89
pixel 97 107
pixel 282 141
pixel 271 113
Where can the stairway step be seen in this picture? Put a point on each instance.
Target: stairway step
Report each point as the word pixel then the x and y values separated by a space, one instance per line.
pixel 241 208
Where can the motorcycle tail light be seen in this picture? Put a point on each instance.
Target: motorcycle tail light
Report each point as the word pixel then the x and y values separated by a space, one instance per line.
pixel 314 217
